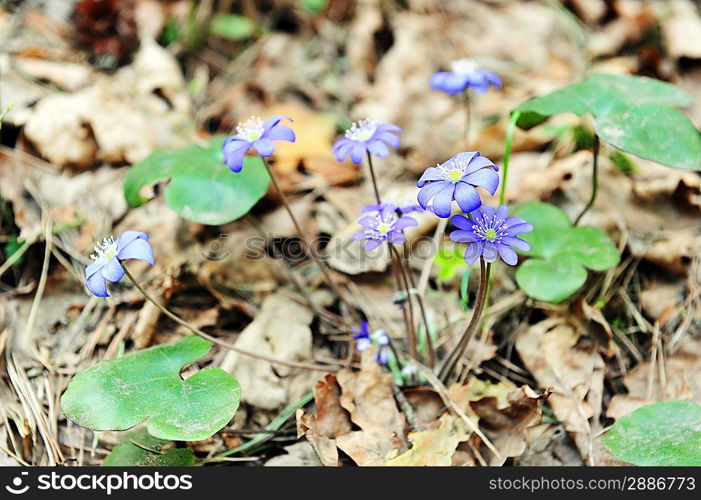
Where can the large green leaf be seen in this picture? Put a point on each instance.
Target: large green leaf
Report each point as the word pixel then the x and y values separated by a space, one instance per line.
pixel 121 393
pixel 662 434
pixel 601 95
pixel 561 254
pixel 551 280
pixel 202 188
pixel 632 113
pixel 141 448
pixel 655 132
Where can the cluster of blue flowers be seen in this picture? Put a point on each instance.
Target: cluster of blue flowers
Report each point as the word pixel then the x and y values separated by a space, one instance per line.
pixel 489 233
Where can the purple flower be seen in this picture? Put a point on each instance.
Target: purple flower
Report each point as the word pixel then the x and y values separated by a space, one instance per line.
pixel 383 225
pixel 402 207
pixel 465 74
pixel 491 234
pixel 366 136
pixel 364 339
pixel 108 254
pixel 257 134
pixel 457 179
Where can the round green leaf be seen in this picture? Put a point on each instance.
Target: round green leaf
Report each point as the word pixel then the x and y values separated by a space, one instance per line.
pixel 142 449
pixel 662 434
pixel 120 393
pixel 551 280
pixel 601 95
pixel 550 227
pixel 202 188
pixel 592 247
pixel 654 132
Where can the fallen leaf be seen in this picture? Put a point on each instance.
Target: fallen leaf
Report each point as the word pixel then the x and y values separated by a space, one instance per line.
pixel 434 447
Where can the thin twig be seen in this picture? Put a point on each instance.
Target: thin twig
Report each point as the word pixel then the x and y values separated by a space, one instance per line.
pixel 594 180
pixel 226 345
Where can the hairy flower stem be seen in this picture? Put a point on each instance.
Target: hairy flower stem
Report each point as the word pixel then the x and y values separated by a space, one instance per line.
pixel 303 235
pixel 452 360
pixel 373 178
pixel 594 180
pixel 226 345
pixel 424 317
pixel 468 116
pixel 403 282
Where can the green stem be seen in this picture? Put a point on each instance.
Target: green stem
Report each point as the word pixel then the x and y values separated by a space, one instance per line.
pixel 594 180
pixel 507 154
pixel 214 340
pixel 457 353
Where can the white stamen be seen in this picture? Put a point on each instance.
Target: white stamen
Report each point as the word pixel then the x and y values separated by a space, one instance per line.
pixel 463 66
pixel 105 251
pixel 493 229
pixel 384 226
pixel 250 130
pixel 453 170
pixel 361 130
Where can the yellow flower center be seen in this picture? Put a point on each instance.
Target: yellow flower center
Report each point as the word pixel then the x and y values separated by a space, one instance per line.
pixel 383 228
pixel 455 175
pixel 490 234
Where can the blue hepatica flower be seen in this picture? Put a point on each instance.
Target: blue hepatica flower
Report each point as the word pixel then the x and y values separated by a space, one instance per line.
pixel 108 254
pixel 491 234
pixel 402 207
pixel 364 339
pixel 464 74
pixel 256 134
pixel 366 136
pixel 457 179
pixel 383 225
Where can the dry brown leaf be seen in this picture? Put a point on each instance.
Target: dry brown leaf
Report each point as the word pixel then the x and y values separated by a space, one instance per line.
pixel 681 29
pixel 682 373
pixel 434 447
pixel 281 329
pixel 556 356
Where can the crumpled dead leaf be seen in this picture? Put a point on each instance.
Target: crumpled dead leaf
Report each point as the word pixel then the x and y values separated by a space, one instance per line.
pixel 280 329
pixel 433 447
pixel 682 380
pixel 365 399
pixel 559 359
pixel 120 118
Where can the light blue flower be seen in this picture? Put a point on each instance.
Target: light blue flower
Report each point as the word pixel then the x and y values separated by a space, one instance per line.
pixel 464 74
pixel 108 256
pixel 364 339
pixel 366 136
pixel 256 134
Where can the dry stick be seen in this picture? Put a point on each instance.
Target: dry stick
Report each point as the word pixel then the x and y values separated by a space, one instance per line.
pixel 594 180
pixel 226 345
pixel 302 234
pixel 426 270
pixel 452 360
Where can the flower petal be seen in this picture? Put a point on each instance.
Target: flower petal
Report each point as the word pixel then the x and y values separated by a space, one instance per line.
pixel 264 146
pixel 92 269
pixel 430 174
pixel 462 222
pixel 139 250
pixel 234 159
pixel 274 120
pixel 485 178
pixel 112 271
pixel 396 237
pixel 404 222
pixel 429 191
pixel 450 83
pixel 522 245
pixel 467 197
pixel 369 222
pixel 280 133
pixel 507 254
pixel 443 203
pixel 378 148
pixel 490 252
pixel 97 285
pixel 127 237
pixel 502 212
pixel 357 152
pixel 464 236
pixel 473 252
pixel 520 229
pixel 371 245
pixel 389 138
